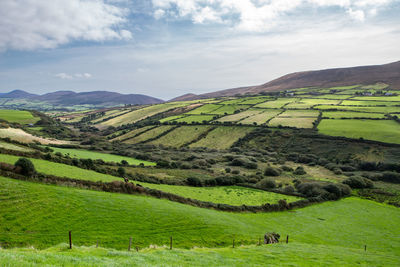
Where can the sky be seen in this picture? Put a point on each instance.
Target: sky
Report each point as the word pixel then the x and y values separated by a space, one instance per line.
pixel 167 48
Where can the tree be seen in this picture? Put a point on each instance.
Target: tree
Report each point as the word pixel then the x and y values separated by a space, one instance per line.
pixel 27 167
pixel 121 172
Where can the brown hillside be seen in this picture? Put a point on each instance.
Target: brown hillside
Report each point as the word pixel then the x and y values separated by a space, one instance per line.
pixel 387 73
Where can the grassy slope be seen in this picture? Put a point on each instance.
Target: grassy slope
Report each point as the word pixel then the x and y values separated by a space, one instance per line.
pixel 181 135
pixel 86 154
pixel 19 116
pixel 41 215
pixel 378 130
pixel 14 147
pixel 62 170
pixel 293 254
pixel 222 137
pixel 351 114
pixel 233 195
pixel 149 134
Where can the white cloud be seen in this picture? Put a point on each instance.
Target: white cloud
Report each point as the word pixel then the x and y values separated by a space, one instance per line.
pixel 258 15
pixel 33 24
pixel 66 76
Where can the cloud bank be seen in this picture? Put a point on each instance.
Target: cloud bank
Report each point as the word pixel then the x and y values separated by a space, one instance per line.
pixel 258 15
pixel 35 24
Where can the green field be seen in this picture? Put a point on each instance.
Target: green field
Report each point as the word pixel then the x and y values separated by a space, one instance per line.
pixel 299 114
pixel 222 137
pixel 292 254
pixel 140 114
pixel 378 130
pixel 195 118
pixel 362 109
pixel 229 109
pixel 18 116
pixel 205 109
pixel 86 154
pixel 171 118
pixel 149 134
pixel 62 170
pixel 181 135
pixel 280 102
pixel 41 215
pixel 232 195
pixel 261 117
pixel 133 133
pixel 14 147
pixel 369 103
pixel 350 114
pixel 296 122
pixel 241 115
pixel 379 98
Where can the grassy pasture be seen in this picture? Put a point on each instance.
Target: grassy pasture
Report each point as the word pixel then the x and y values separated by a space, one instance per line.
pixel 111 113
pixel 254 100
pixel 241 115
pixel 195 118
pixel 261 118
pixel 149 134
pixel 222 137
pixel 133 133
pixel 362 109
pixel 44 214
pixel 22 136
pixel 229 109
pixel 234 101
pixel 233 195
pixel 278 103
pixel 299 114
pixel 140 114
pixel 62 170
pixel 14 147
pixel 369 103
pixel 86 154
pixel 378 130
pixel 331 96
pixel 351 114
pixel 378 98
pixel 205 109
pixel 293 254
pixel 171 118
pixel 18 116
pixel 297 122
pixel 181 135
pixel 308 103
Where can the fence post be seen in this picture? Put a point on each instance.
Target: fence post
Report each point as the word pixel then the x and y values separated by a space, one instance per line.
pixel 233 243
pixel 130 243
pixel 365 247
pixel 170 242
pixel 70 240
pixel 97 243
pixel 259 241
pixel 287 239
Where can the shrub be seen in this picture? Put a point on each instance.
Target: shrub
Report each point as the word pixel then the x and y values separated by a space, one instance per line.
pixel 300 171
pixel 235 172
pixel 227 170
pixel 286 168
pixel 194 181
pixel 358 182
pixel 266 183
pixel 270 171
pixel 288 189
pixel 391 177
pixel 27 167
pixel 124 162
pixel 121 172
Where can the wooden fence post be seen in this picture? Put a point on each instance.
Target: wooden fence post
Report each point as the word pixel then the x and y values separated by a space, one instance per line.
pixel 70 240
pixel 287 239
pixel 365 248
pixel 233 243
pixel 170 242
pixel 130 243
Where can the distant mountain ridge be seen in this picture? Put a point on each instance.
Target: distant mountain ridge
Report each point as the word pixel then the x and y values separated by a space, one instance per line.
pixel 387 73
pixel 97 98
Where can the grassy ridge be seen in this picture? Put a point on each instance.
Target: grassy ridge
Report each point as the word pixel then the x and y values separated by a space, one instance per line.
pixel 233 195
pixel 293 254
pixel 86 154
pixel 58 169
pixel 41 215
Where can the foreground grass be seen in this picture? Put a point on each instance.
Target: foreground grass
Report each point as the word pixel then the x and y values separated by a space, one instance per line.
pixel 293 254
pixel 41 216
pixel 233 195
pixel 86 154
pixel 62 170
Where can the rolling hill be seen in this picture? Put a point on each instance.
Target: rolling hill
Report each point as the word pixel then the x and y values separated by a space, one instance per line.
pixel 387 73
